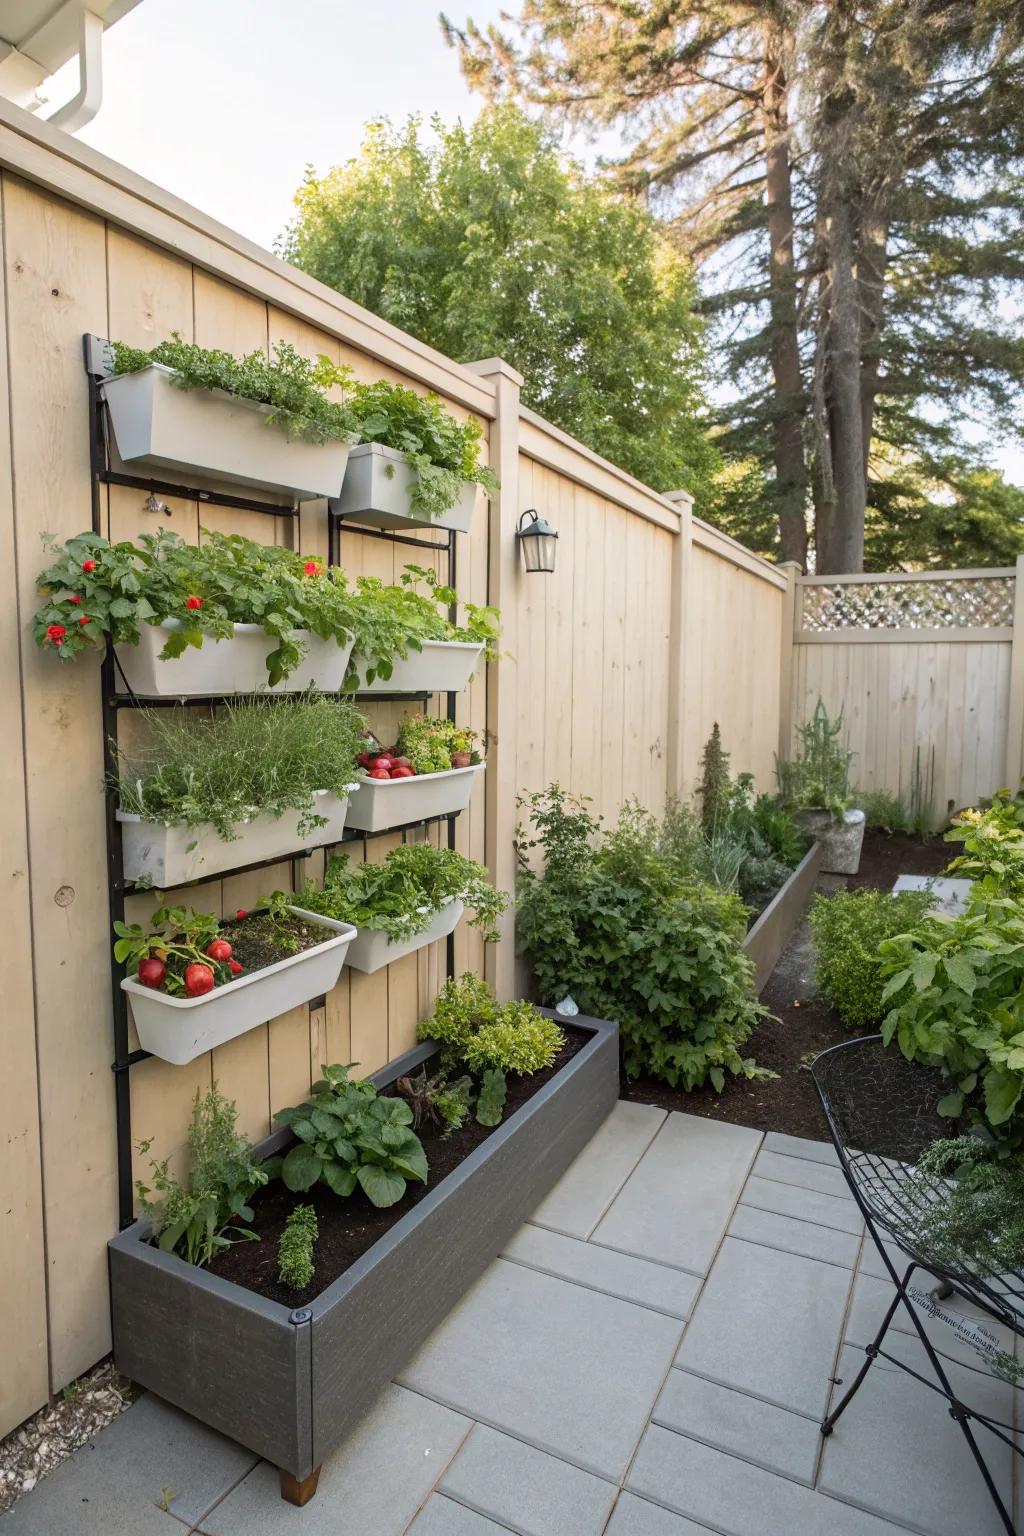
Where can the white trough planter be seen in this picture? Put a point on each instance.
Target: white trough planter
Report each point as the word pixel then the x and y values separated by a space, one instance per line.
pixel 377 487
pixel 442 666
pixel 381 804
pixel 172 855
pixel 178 1029
pixel 158 426
pixel 238 665
pixel 370 950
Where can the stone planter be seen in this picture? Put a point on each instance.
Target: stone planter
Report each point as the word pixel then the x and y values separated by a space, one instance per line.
pixel 841 841
pixel 291 1384
pixel 773 930
pixel 377 489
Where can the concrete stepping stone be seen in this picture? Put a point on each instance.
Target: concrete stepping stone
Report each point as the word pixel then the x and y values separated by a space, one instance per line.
pixel 804 1204
pixel 950 896
pixel 590 1184
pixel 738 1499
pixel 677 1203
pixel 602 1269
pixel 897 1453
pixel 801 1146
pixel 526 1490
pixel 793 1236
pixel 768 1323
pixel 443 1517
pixel 374 1482
pixel 744 1426
pixel 804 1173
pixel 112 1486
pixel 871 1298
pixel 569 1370
pixel 633 1516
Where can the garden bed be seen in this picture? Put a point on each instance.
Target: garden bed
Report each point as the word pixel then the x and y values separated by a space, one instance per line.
pixel 773 928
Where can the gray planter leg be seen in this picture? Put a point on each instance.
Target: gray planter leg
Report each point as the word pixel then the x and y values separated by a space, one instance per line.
pixel 298 1490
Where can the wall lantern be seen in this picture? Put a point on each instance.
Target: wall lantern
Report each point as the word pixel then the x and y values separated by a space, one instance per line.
pixel 537 541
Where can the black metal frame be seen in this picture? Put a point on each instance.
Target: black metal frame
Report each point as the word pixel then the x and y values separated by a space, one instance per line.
pixel 113 700
pixel 889 1193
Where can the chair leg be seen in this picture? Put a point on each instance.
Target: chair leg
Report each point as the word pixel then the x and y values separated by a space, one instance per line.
pixel 298 1490
pixel 828 1424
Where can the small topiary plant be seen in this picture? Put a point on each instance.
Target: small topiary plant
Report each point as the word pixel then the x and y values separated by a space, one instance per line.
pixel 848 928
pixel 295 1246
pixel 480 1033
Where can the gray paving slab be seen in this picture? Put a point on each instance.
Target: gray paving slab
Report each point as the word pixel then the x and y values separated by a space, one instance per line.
pixel 922 1473
pixel 744 1426
pixel 633 1516
pixel 570 1371
pixel 603 1269
pixel 527 1490
pixel 803 1172
pixel 950 895
pixel 375 1482
pixel 735 1497
pixel 112 1486
pixel 871 1262
pixel 444 1517
pixel 871 1298
pixel 804 1204
pixel 588 1186
pixel 801 1146
pixel 768 1323
pixel 676 1204
pixel 793 1236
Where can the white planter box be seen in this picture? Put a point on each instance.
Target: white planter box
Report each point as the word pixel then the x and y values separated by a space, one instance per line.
pixel 159 426
pixel 178 1029
pixel 238 665
pixel 370 950
pixel 381 804
pixel 377 487
pixel 172 855
pixel 442 666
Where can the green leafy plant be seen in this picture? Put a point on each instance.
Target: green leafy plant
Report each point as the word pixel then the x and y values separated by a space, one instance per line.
pixel 295 1267
pixel 251 757
pixel 394 620
pixel 437 1101
pixel 293 386
pixel 348 1134
pixel 819 779
pixel 715 784
pixel 200 1219
pixel 883 811
pixel 980 1219
pixel 445 453
pixel 478 1032
pixel 848 929
pixel 993 844
pixel 432 745
pixel 490 1104
pixel 615 922
pixel 187 953
pixel 400 895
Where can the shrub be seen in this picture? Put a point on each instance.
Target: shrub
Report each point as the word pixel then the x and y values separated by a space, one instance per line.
pixel 715 784
pixel 819 779
pixel 883 811
pixel 444 452
pixel 295 1267
pixel 848 928
pixel 480 1033
pixel 615 923
pixel 981 1220
pixel 993 840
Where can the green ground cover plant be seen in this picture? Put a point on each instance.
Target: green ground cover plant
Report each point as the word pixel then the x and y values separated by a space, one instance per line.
pixel 848 929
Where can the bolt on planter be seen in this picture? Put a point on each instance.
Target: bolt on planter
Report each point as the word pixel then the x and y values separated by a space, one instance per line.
pixel 291 1384
pixel 371 949
pixel 394 802
pixel 378 487
pixel 158 425
pixel 238 665
pixel 442 666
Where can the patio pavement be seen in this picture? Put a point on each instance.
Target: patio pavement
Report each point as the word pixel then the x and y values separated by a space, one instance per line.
pixel 650 1357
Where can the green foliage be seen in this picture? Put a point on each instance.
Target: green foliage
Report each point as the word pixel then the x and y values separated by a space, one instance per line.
pixel 431 744
pixel 251 757
pixel 197 1221
pixel 993 842
pixel 715 784
pixel 490 1106
pixel 480 1033
pixel 488 242
pixel 444 452
pixel 616 923
pixel 437 1100
pixel 348 1134
pixel 294 387
pixel 848 929
pixel 178 936
pixel 392 621
pixel 819 779
pixel 295 1267
pixel 883 811
pixel 980 1221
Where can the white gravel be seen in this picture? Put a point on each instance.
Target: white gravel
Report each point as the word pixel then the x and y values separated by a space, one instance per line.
pixel 50 1436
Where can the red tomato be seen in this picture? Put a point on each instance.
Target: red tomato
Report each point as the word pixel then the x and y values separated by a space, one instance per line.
pixel 151 972
pixel 198 980
pixel 379 773
pixel 236 969
pixel 401 773
pixel 219 950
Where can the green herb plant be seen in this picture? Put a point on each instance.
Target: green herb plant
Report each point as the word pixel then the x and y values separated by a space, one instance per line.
pixel 883 811
pixel 437 1100
pixel 819 778
pixel 394 620
pixel 848 929
pixel 980 1217
pixel 444 452
pixel 490 1104
pixel 295 1267
pixel 200 1219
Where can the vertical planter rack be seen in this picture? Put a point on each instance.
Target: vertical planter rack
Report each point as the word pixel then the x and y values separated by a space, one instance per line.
pixel 117 696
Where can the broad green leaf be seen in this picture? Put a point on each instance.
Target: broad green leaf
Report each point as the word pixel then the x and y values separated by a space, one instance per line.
pixel 339 1178
pixel 382 1187
pixel 951 1106
pixel 1002 1092
pixel 922 969
pixel 960 972
pixel 895 983
pixel 301 1168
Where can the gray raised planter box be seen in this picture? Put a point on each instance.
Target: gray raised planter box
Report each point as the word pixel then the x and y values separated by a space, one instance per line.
pixel 291 1385
pixel 769 936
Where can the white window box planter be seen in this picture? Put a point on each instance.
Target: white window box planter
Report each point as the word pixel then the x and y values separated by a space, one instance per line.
pixel 172 855
pixel 380 804
pixel 377 487
pixel 178 1029
pixel 442 666
pixel 238 665
pixel 371 951
pixel 158 426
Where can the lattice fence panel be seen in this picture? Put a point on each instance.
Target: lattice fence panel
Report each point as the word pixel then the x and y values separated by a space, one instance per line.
pixel 964 602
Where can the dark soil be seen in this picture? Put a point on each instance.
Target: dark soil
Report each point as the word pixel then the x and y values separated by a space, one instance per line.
pixel 801 1023
pixel 259 941
pixel 349 1227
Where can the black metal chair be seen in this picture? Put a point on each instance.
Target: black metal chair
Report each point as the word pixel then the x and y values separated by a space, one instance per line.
pixel 862 1085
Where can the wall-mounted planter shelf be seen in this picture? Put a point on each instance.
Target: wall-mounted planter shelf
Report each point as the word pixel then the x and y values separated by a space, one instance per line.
pixel 238 665
pixel 773 930
pixel 370 950
pixel 377 487
pixel 291 1385
pixel 396 802
pixel 217 436
pixel 442 666
pixel 178 1029
pixel 167 856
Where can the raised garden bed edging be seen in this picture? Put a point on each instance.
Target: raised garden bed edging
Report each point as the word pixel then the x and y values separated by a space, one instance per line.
pixel 290 1385
pixel 773 930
